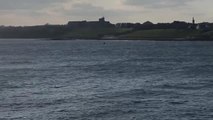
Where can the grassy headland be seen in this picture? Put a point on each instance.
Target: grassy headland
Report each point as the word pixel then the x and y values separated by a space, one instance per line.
pixel 105 30
pixel 162 34
pixel 130 34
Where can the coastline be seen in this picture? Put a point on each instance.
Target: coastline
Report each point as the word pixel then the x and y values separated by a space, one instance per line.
pixel 138 39
pixel 116 39
pixel 104 30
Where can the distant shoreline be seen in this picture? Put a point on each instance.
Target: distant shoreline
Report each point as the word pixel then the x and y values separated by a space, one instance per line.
pixel 86 39
pixel 104 30
pixel 150 39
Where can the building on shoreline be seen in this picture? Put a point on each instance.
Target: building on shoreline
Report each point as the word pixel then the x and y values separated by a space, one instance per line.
pixel 93 24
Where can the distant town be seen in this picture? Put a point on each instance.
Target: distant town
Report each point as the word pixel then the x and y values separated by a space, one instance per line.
pixel 102 29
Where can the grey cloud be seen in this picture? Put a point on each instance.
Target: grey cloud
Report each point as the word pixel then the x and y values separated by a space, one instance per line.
pixel 90 11
pixel 85 10
pixel 157 3
pixel 26 4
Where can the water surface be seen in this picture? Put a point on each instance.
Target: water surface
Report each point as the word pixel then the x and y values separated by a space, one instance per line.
pixel 105 80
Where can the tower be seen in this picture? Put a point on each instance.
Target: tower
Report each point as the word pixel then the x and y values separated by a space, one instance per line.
pixel 193 21
pixel 102 20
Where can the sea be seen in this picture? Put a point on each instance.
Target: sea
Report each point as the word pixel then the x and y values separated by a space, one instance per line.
pixel 105 80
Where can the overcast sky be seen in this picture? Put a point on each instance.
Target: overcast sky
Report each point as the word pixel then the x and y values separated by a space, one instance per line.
pixel 33 12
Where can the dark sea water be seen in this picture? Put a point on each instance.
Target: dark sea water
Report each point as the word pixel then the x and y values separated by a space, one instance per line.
pixel 105 80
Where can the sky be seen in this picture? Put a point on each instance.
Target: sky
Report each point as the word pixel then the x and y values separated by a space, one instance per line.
pixel 39 12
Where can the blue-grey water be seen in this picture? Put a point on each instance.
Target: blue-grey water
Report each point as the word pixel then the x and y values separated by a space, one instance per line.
pixel 105 80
